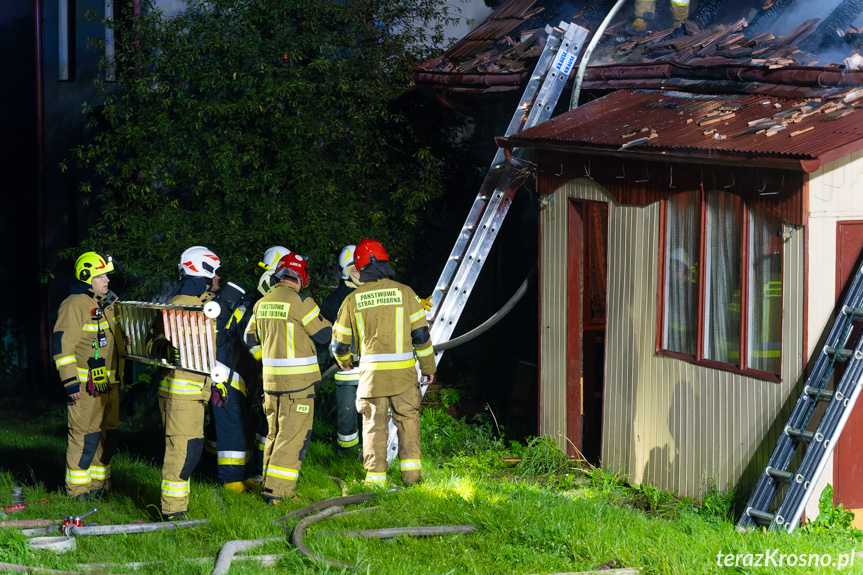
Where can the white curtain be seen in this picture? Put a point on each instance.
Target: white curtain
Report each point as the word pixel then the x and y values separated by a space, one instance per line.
pixel 722 277
pixel 683 226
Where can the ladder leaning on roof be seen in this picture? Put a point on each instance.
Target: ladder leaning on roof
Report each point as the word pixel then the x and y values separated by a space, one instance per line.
pixel 840 401
pixel 492 203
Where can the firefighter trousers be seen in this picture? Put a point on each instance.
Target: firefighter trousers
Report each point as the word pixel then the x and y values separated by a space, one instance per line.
pixel 93 434
pixel 184 441
pixel 289 417
pixel 347 419
pixel 226 435
pixel 405 409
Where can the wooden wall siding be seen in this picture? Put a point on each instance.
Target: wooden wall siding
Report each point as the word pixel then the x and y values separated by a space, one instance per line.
pixel 666 422
pixel 834 195
pixel 643 182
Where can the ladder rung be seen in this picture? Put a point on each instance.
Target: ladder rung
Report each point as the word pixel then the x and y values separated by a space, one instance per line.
pixel 856 313
pixel 800 435
pixel 818 394
pixel 779 475
pixel 839 354
pixel 761 517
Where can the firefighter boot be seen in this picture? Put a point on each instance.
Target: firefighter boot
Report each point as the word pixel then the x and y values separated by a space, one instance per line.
pixel 235 486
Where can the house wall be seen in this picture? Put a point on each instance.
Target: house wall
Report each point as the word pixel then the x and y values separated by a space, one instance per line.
pixel 832 198
pixel 666 422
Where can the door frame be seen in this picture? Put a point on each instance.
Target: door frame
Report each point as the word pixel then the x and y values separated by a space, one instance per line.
pixel 577 297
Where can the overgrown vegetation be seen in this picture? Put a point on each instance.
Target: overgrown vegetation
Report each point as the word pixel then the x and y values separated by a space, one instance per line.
pixel 239 125
pixel 546 515
pixel 832 516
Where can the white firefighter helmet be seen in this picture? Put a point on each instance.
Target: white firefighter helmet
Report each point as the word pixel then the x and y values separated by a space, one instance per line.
pixel 346 259
pixel 199 261
pixel 272 257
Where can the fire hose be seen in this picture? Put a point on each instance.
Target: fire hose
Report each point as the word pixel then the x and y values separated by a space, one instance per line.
pixel 582 67
pixel 135 527
pixel 475 332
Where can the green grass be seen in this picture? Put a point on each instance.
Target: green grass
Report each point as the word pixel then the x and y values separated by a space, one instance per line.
pixel 544 515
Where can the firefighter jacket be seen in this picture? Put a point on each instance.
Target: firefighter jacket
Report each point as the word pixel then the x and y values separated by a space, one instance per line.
pixel 287 325
pixel 179 383
pixel 388 322
pixel 84 322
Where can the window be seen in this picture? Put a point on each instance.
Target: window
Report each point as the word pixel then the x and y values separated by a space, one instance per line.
pixel 721 298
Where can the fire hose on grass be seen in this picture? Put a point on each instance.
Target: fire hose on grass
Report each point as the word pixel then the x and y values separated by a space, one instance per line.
pixel 335 508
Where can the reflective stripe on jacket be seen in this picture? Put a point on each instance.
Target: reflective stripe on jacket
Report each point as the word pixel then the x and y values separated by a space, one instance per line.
pixel 388 321
pixel 75 332
pixel 286 324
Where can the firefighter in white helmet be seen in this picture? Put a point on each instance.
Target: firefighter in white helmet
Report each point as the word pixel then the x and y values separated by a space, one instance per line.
pixel 183 395
pixel 347 426
pixel 387 323
pixel 88 352
pixel 287 324
pixel 268 263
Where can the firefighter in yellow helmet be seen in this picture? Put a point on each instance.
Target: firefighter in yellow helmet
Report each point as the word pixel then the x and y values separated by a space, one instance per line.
pixel 183 395
pixel 287 324
pixel 387 322
pixel 88 352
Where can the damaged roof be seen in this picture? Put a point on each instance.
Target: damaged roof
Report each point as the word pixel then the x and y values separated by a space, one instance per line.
pixel 741 129
pixel 500 53
pixel 495 56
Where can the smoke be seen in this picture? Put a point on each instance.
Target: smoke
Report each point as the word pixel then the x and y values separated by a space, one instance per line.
pixel 474 11
pixel 801 11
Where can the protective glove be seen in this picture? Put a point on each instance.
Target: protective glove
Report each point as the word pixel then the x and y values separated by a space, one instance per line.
pixel 427 302
pixel 97 376
pixel 219 394
pixel 172 354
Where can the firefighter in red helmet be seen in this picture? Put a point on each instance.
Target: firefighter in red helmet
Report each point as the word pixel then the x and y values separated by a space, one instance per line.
pixel 287 324
pixel 387 323
pixel 88 353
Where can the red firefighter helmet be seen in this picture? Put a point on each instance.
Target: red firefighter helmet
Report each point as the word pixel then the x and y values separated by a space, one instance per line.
pixel 369 251
pixel 293 265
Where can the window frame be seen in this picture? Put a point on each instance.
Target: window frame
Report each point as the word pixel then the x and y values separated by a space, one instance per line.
pixel 699 359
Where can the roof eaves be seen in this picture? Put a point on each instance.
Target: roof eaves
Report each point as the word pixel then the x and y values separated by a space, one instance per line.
pixel 679 155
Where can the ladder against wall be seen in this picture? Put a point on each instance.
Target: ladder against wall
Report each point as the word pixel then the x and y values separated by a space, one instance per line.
pixel 480 229
pixel 769 506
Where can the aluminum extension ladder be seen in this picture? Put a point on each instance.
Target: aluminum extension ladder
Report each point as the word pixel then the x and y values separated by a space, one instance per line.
pixel 840 402
pixel 491 205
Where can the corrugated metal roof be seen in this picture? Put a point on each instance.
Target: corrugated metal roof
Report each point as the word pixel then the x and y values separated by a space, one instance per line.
pixel 740 128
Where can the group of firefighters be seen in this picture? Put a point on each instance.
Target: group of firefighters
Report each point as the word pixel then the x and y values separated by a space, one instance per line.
pixel 374 327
